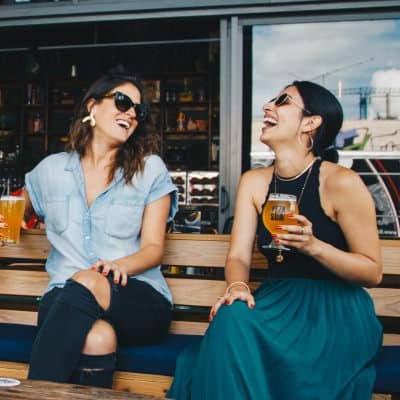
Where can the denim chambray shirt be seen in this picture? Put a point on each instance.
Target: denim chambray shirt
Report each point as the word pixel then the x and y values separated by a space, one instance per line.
pixel 110 228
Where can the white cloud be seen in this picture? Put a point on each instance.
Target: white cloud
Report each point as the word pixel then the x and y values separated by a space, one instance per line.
pixel 384 102
pixel 386 79
pixel 328 52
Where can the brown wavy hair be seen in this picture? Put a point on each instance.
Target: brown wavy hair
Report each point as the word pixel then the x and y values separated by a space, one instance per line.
pixel 143 142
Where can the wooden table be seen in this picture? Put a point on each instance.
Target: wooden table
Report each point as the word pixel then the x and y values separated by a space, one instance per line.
pixel 42 390
pixel 33 246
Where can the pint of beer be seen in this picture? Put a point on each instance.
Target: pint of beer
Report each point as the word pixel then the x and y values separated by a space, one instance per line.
pixel 12 208
pixel 276 211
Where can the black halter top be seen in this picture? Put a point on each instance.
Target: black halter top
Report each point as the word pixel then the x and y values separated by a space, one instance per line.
pixel 296 264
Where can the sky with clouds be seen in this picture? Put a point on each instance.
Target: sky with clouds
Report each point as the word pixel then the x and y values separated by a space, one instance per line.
pixel 359 54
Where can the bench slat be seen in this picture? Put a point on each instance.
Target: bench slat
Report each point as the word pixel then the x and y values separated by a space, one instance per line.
pixel 386 301
pixel 182 250
pixel 390 256
pixel 177 327
pixel 30 318
pixel 194 292
pixel 188 327
pixel 18 317
pixel 390 339
pixel 192 252
pixel 198 292
pixel 23 283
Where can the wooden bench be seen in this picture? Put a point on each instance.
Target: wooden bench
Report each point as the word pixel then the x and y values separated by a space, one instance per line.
pixel 22 281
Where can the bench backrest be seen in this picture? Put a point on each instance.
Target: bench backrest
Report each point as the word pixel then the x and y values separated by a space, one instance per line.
pixel 193 266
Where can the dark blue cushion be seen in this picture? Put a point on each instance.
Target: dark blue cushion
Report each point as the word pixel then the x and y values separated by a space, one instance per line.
pixel 16 344
pixel 388 370
pixel 157 359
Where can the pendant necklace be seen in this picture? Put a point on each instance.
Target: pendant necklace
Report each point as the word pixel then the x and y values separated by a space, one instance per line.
pixel 279 258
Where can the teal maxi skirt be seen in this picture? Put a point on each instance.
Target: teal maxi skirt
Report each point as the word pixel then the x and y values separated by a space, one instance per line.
pixel 305 339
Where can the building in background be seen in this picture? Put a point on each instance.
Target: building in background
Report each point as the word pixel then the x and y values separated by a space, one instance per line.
pixel 209 65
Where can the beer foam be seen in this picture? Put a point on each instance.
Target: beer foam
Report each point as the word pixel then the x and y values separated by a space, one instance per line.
pixel 13 198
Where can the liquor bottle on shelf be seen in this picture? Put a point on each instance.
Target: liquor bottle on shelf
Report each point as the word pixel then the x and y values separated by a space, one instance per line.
pixel 37 123
pixel 201 94
pixel 180 122
pixel 28 99
pixel 34 124
pixel 186 94
pixel 5 187
pixel 34 94
pixel 156 98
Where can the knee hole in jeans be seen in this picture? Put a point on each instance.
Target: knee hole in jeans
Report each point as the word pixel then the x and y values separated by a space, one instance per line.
pixel 101 339
pixel 97 284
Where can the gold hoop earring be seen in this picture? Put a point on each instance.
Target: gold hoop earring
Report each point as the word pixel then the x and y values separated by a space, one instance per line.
pixel 91 119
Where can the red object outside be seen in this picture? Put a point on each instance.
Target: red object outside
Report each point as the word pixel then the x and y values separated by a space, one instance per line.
pixel 31 224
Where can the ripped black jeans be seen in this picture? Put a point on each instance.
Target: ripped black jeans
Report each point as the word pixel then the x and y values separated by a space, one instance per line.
pixel 138 313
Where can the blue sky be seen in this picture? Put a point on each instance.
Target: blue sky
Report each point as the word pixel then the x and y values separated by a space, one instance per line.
pixel 357 54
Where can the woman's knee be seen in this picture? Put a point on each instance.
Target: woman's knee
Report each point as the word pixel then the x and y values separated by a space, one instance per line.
pixel 101 339
pixel 89 279
pixel 97 284
pixel 236 313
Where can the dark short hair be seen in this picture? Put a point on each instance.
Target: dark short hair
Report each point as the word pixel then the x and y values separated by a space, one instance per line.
pixel 320 101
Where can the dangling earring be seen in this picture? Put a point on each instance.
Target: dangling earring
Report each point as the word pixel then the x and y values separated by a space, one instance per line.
pixel 90 118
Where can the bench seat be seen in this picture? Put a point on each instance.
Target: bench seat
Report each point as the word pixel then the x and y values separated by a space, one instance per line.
pixel 149 369
pixel 16 343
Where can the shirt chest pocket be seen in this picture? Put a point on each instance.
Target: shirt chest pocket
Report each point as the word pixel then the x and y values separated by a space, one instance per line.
pixel 57 214
pixel 124 219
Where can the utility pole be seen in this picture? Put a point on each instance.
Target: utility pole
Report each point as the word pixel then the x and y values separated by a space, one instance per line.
pixel 366 92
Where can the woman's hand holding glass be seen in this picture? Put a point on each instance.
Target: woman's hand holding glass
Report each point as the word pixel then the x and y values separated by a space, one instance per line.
pixel 298 235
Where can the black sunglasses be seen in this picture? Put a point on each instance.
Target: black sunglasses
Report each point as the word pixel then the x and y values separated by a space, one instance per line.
pixel 124 103
pixel 285 98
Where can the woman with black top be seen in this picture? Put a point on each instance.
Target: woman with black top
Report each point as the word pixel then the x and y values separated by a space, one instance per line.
pixel 310 331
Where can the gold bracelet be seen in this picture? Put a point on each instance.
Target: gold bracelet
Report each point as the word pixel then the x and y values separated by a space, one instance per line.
pixel 237 283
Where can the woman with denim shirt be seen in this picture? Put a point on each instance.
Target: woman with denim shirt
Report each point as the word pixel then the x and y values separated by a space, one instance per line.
pixel 105 203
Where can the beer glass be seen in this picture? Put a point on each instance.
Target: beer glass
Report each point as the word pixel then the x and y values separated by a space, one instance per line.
pixel 275 213
pixel 12 208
